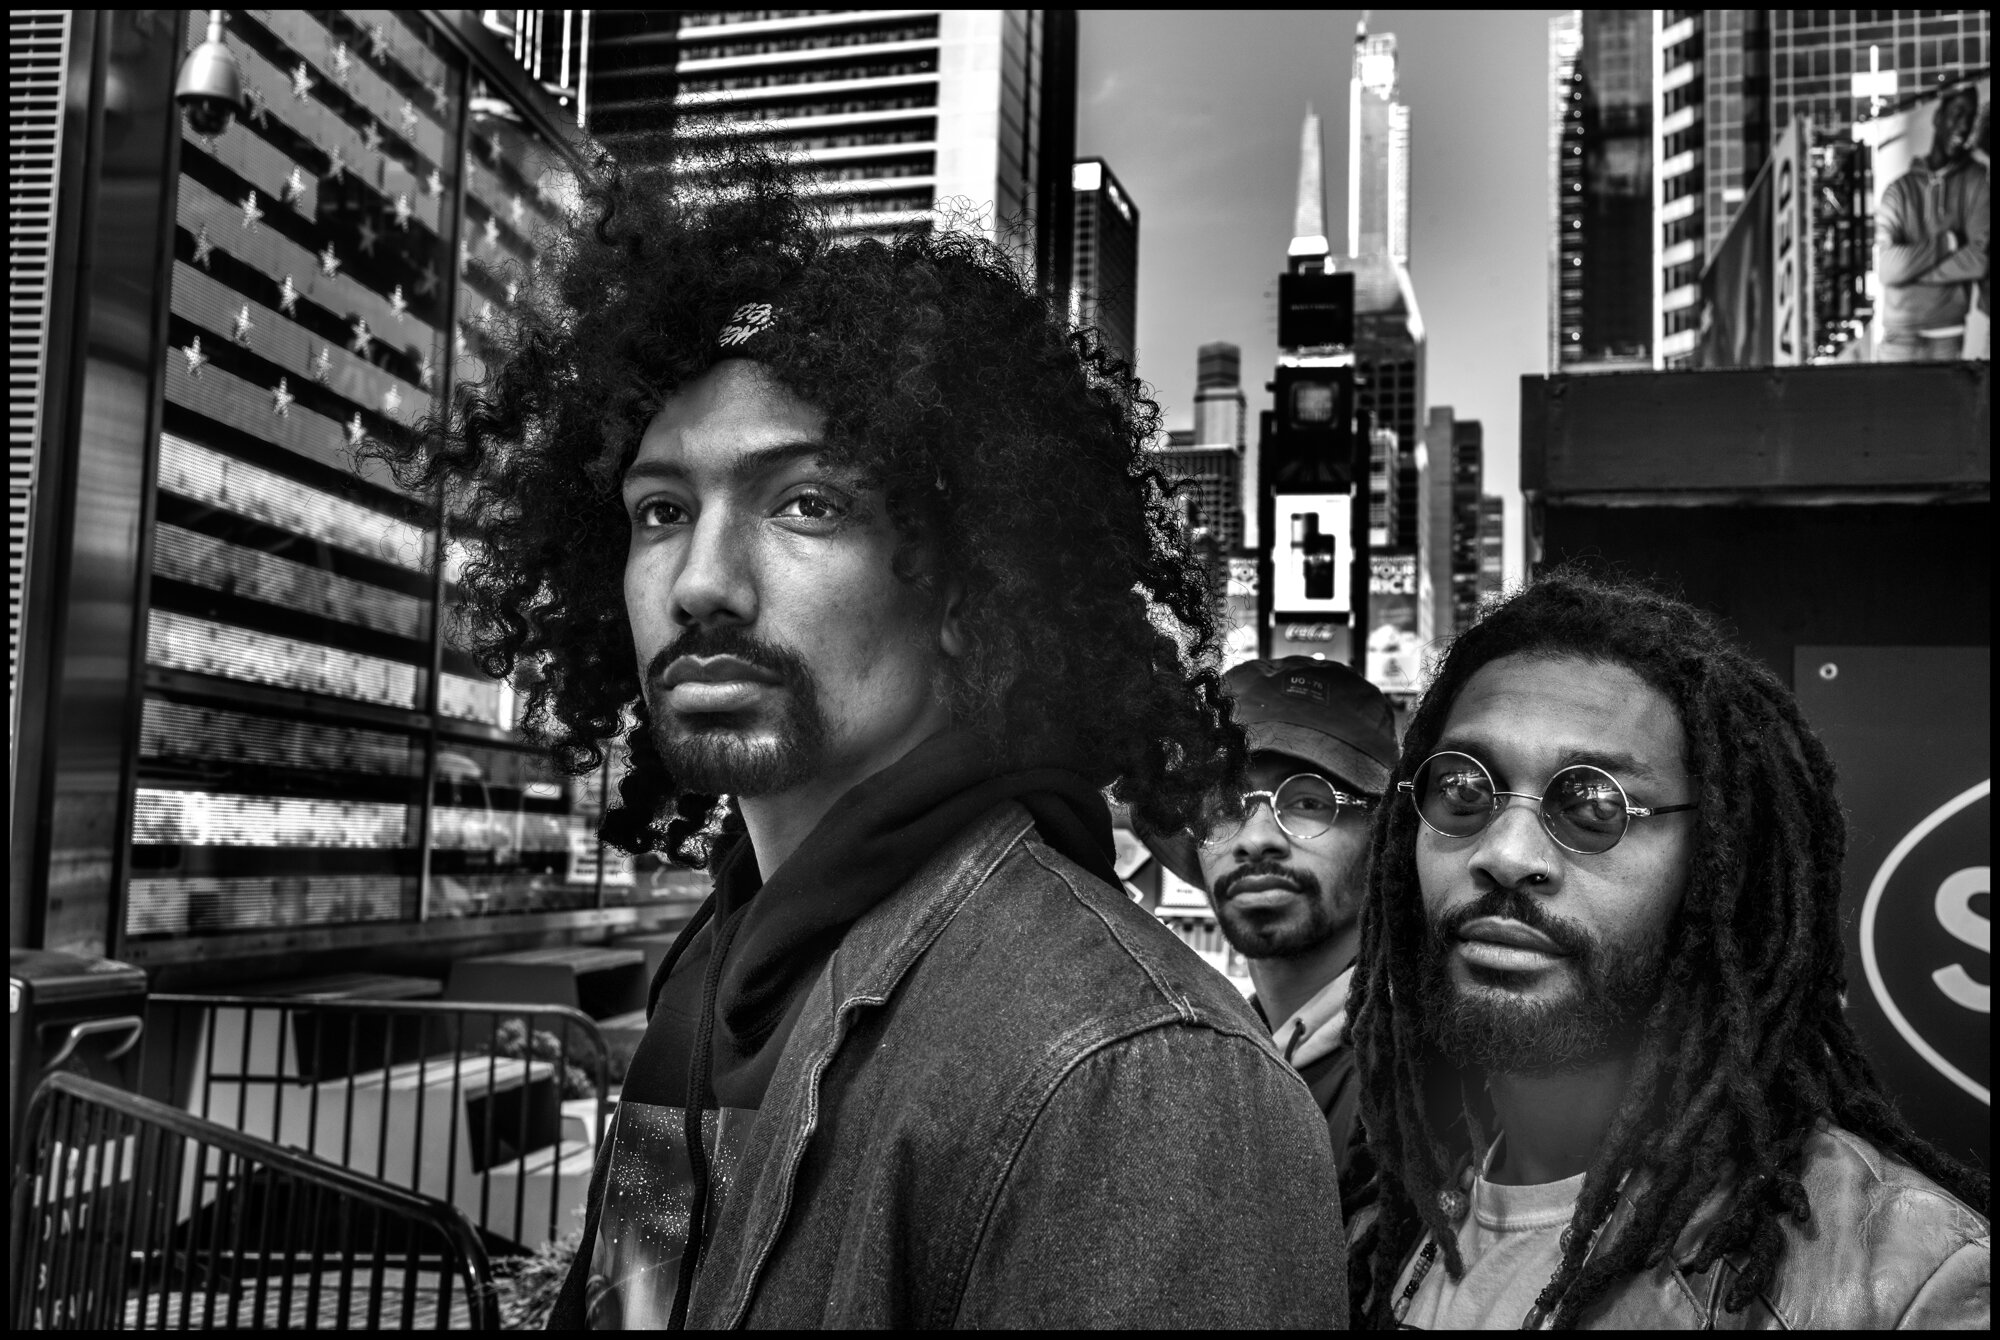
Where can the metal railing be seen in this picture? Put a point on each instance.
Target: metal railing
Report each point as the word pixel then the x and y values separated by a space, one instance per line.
pixel 129 1214
pixel 496 1109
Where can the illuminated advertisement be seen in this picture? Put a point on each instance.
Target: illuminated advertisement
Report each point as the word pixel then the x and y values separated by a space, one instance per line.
pixel 1932 278
pixel 1313 554
pixel 1395 660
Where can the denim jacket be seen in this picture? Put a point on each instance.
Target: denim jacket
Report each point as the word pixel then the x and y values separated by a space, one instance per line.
pixel 1015 1099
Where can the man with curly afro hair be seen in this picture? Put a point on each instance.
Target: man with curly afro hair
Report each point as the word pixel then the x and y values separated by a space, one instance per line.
pixel 859 549
pixel 1605 1074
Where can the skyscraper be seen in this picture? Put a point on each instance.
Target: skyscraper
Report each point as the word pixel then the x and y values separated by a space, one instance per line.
pixel 903 117
pixel 1724 80
pixel 1601 184
pixel 1104 278
pixel 1388 328
pixel 1492 545
pixel 1213 472
pixel 1219 404
pixel 1451 461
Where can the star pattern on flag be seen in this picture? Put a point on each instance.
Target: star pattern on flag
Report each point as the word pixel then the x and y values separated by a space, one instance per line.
pixel 343 64
pixel 322 364
pixel 240 330
pixel 464 256
pixel 513 292
pixel 302 84
pixel 260 107
pixel 471 163
pixel 398 303
pixel 336 163
pixel 426 373
pixel 196 359
pixel 252 215
pixel 360 339
pixel 392 400
pixel 492 231
pixel 458 342
pixel 406 117
pixel 355 431
pixel 288 297
pixel 378 42
pixel 204 246
pixel 369 236
pixel 402 210
pixel 427 282
pixel 434 184
pixel 371 136
pixel 436 90
pixel 282 398
pixel 294 188
pixel 329 264
pixel 514 208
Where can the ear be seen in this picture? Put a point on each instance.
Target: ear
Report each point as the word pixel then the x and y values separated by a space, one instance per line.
pixel 951 629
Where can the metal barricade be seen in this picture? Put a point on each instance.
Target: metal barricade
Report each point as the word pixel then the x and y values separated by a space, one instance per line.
pixel 129 1214
pixel 496 1109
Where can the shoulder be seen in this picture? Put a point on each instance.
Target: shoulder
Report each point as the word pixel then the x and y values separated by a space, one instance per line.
pixel 1062 963
pixel 1886 1245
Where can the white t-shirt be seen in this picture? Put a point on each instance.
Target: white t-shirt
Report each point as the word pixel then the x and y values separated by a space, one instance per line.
pixel 1512 1244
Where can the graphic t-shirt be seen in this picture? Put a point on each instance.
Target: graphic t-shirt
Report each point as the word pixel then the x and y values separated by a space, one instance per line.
pixel 1512 1244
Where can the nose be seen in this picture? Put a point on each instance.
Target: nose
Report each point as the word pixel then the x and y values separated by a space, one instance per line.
pixel 716 584
pixel 1260 837
pixel 1515 851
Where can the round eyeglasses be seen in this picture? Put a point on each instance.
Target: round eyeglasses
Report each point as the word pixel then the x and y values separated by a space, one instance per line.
pixel 1583 808
pixel 1305 806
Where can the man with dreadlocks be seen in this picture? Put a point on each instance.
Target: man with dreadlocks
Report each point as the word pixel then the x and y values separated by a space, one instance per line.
pixel 1606 1080
pixel 863 547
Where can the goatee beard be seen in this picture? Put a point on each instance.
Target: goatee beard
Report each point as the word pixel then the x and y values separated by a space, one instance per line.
pixel 1327 911
pixel 739 753
pixel 1492 1028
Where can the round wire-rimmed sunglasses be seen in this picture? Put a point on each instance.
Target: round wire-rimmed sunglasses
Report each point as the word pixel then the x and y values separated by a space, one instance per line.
pixel 1304 804
pixel 1583 809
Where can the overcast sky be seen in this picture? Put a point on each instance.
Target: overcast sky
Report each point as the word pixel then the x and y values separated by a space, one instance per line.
pixel 1198 111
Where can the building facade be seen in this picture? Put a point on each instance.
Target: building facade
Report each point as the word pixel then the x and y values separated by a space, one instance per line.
pixel 1104 258
pixel 1725 80
pixel 1451 463
pixel 1492 545
pixel 1389 339
pixel 245 741
pixel 1601 190
pixel 902 117
pixel 1213 474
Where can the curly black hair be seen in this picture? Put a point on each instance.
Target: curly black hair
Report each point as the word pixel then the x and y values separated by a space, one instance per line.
pixel 1012 452
pixel 1747 1047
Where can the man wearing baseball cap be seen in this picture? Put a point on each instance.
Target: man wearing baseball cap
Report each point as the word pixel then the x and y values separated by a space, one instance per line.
pixel 1286 864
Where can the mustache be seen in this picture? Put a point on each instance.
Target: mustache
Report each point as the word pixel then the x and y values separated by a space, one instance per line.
pixel 1307 883
pixel 1515 905
pixel 727 640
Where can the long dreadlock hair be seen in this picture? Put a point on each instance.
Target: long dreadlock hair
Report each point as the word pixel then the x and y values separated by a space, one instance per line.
pixel 1746 1048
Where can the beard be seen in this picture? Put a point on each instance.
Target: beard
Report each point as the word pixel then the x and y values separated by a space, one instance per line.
pixel 760 751
pixel 1493 1027
pixel 1320 914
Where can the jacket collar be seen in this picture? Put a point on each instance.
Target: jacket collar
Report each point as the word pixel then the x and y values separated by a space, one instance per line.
pixel 865 970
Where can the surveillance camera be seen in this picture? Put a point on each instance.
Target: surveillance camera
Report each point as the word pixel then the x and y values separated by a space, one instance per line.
pixel 207 115
pixel 210 87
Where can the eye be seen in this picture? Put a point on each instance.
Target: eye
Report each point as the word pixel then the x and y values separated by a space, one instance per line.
pixel 655 512
pixel 1464 790
pixel 812 505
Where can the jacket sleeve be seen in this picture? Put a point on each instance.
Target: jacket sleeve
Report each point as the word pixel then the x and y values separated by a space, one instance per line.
pixel 1901 257
pixel 1968 263
pixel 1181 1177
pixel 1959 1294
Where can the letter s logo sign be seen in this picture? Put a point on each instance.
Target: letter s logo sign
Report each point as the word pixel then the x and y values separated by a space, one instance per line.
pixel 1956 914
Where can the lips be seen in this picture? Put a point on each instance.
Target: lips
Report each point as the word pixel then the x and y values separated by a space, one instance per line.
pixel 1510 934
pixel 716 670
pixel 1263 884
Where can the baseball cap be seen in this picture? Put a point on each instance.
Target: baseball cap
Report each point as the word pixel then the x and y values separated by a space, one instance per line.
pixel 1320 712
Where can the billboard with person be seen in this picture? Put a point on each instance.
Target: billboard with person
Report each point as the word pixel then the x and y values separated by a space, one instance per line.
pixel 1394 649
pixel 1932 281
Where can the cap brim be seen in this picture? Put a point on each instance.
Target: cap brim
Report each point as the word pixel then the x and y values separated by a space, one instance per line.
pixel 1318 748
